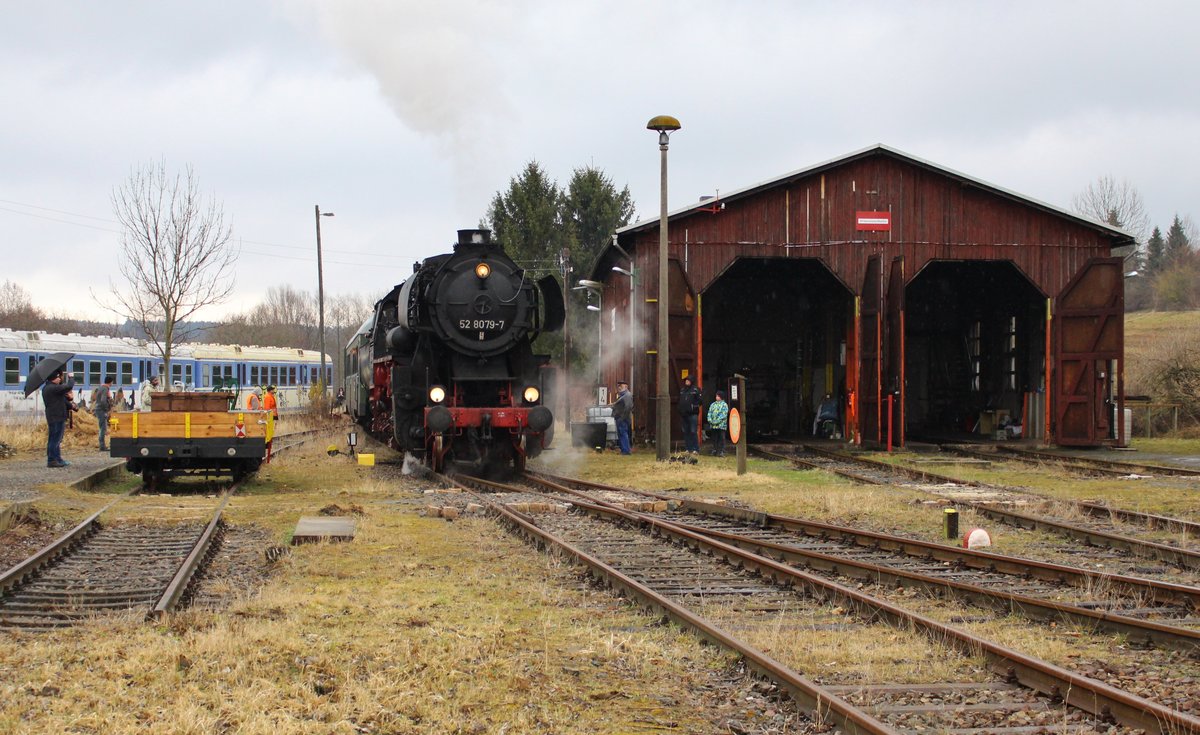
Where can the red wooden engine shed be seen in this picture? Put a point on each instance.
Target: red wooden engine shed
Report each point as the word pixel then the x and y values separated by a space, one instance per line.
pixel 924 302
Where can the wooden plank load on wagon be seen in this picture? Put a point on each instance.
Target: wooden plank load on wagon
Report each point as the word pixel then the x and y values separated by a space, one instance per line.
pixel 191 433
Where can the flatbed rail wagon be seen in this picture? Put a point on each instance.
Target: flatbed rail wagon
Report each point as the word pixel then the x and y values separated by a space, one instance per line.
pixel 191 433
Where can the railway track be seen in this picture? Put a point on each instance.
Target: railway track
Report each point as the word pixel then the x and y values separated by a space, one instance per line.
pixel 1145 611
pixel 97 568
pixel 998 503
pixel 735 597
pixel 1083 465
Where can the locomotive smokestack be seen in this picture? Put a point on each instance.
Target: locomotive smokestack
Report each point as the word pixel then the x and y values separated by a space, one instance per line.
pixel 467 238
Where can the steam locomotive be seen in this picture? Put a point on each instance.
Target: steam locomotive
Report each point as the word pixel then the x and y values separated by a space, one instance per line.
pixel 444 368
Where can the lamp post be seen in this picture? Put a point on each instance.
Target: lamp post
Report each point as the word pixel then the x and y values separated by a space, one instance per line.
pixel 665 125
pixel 595 287
pixel 321 293
pixel 619 269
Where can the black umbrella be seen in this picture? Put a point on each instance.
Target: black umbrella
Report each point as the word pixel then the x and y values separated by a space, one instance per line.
pixel 44 369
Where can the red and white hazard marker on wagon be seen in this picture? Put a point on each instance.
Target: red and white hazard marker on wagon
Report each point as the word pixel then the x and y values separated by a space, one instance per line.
pixel 976 538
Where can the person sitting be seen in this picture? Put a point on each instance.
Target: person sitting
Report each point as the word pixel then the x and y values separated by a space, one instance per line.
pixel 825 424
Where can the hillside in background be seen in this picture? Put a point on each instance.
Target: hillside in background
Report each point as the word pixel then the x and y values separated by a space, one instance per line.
pixel 1162 359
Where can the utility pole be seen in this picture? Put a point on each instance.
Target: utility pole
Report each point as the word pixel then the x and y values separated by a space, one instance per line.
pixel 321 295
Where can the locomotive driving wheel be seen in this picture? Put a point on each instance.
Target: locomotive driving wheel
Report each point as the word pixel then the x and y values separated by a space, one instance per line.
pixel 437 458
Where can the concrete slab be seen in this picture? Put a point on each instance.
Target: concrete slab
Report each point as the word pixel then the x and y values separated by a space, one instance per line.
pixel 312 529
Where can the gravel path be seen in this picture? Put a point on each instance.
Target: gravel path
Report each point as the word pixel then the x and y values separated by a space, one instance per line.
pixel 20 476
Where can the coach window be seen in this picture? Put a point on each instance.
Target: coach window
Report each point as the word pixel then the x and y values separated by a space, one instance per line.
pixel 291 376
pixel 77 372
pixel 187 372
pixel 126 373
pixel 110 368
pixel 176 373
pixel 206 375
pixel 93 370
pixel 12 370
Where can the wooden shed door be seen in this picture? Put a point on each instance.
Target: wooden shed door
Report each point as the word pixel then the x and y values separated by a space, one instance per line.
pixel 869 354
pixel 1089 338
pixel 894 370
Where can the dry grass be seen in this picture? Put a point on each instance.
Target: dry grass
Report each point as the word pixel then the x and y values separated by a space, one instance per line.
pixel 417 626
pixel 29 435
pixel 422 625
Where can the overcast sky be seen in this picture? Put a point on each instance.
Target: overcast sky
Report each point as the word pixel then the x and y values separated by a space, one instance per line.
pixel 405 118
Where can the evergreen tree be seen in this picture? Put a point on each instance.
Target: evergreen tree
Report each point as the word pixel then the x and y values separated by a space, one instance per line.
pixel 526 220
pixel 549 231
pixel 1155 249
pixel 595 210
pixel 1178 244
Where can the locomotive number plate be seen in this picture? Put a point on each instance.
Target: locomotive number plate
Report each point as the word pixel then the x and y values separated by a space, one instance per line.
pixel 490 324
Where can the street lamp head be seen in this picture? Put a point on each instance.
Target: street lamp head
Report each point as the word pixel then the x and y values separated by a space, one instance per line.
pixel 326 214
pixel 593 307
pixel 619 269
pixel 663 124
pixel 595 285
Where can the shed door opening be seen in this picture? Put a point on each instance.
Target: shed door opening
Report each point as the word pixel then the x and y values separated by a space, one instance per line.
pixel 783 324
pixel 974 352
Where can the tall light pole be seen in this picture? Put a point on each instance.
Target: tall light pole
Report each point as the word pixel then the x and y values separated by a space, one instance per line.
pixel 665 125
pixel 595 287
pixel 321 293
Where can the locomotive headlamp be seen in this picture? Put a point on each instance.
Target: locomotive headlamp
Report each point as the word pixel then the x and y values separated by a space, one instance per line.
pixel 532 394
pixel 483 270
pixel 437 394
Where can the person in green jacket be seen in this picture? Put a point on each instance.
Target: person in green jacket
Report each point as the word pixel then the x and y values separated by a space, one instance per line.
pixel 718 422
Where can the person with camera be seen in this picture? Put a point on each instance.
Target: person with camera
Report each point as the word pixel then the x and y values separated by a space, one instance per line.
pixel 55 397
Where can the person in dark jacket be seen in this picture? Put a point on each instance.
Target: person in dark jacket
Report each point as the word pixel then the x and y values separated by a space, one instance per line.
pixel 622 413
pixel 54 398
pixel 689 412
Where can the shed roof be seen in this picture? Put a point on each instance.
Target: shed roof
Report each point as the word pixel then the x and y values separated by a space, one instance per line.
pixel 1119 236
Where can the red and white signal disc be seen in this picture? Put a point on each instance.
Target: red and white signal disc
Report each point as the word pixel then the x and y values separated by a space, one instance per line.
pixel 976 538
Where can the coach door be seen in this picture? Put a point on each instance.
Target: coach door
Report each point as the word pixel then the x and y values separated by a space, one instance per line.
pixel 1089 338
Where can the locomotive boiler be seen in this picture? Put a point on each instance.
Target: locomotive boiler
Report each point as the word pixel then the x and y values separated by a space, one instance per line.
pixel 444 368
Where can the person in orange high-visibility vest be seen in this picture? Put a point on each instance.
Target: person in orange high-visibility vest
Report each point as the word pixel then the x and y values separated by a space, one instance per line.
pixel 269 403
pixel 254 403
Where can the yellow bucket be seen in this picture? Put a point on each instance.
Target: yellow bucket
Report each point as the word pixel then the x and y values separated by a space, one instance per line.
pixel 366 460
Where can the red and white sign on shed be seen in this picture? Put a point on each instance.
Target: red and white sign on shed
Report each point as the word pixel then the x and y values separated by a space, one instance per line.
pixel 880 221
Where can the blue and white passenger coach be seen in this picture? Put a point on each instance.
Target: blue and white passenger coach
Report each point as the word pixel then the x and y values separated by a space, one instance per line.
pixel 194 367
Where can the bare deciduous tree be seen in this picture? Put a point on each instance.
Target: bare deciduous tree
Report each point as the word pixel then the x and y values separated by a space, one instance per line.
pixel 287 318
pixel 176 254
pixel 1116 203
pixel 16 308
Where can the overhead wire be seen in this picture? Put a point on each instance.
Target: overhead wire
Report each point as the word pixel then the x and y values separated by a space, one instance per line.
pixel 310 258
